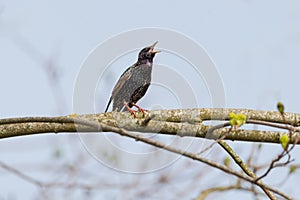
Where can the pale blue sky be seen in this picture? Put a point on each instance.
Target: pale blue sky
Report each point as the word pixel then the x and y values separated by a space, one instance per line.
pixel 254 44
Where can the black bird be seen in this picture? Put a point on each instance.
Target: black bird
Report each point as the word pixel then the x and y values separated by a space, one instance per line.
pixel 134 82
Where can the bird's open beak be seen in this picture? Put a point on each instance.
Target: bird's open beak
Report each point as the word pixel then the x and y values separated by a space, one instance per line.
pixel 152 48
pixel 156 51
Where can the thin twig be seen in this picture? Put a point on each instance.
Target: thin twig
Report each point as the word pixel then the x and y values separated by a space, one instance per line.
pixel 20 174
pixel 243 166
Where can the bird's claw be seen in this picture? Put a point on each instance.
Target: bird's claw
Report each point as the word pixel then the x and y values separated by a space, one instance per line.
pixel 132 112
pixel 140 109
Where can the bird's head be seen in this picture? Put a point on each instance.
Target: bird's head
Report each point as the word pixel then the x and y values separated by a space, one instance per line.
pixel 147 54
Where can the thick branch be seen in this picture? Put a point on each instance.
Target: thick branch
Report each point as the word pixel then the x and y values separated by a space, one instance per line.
pixel 187 122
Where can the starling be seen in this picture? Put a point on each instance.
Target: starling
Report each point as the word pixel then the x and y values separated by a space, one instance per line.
pixel 134 82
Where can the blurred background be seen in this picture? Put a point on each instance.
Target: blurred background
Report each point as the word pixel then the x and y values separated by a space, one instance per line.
pixel 255 47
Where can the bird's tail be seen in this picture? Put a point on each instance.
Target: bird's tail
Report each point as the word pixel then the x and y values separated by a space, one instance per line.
pixel 108 105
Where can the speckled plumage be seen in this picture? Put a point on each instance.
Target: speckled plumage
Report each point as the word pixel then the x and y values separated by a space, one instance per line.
pixel 134 82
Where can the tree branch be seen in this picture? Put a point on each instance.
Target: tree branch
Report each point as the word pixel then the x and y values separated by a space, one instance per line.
pixel 188 122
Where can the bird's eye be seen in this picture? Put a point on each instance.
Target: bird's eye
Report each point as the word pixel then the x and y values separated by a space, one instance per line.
pixel 148 54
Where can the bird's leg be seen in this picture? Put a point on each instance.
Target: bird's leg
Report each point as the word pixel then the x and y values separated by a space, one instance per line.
pixel 129 109
pixel 140 109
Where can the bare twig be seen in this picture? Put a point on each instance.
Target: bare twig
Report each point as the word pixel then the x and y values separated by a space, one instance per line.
pixel 20 174
pixel 237 186
pixel 285 152
pixel 243 165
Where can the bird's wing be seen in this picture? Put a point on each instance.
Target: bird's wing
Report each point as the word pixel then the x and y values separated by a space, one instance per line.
pixel 123 78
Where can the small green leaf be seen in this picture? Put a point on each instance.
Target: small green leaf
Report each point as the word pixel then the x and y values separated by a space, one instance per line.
pixel 280 107
pixel 241 119
pixel 284 141
pixel 292 169
pixel 232 119
pixel 237 120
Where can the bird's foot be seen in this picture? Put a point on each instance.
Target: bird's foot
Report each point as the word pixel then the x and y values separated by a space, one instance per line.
pixel 133 112
pixel 140 109
pixel 130 110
